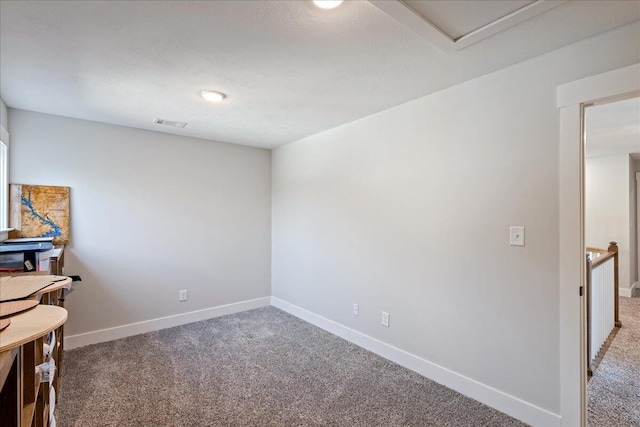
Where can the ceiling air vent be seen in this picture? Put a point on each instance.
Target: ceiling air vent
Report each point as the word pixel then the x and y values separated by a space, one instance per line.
pixel 170 123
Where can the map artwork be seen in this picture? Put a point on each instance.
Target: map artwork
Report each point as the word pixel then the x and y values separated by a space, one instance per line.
pixel 39 211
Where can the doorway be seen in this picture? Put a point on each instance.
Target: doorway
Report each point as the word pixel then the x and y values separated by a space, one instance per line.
pixel 572 98
pixel 611 165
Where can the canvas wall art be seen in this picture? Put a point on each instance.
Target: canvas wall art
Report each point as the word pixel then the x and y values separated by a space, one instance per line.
pixel 39 211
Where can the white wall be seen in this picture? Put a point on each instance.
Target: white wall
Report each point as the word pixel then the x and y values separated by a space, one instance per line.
pixel 151 214
pixel 408 211
pixel 607 209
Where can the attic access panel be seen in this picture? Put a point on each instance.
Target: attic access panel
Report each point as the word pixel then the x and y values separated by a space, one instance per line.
pixel 459 17
pixel 455 24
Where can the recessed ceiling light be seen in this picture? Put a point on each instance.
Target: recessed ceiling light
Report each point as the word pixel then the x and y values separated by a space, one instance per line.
pixel 327 4
pixel 212 96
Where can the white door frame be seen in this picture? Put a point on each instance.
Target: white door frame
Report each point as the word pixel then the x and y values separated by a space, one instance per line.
pixel 571 99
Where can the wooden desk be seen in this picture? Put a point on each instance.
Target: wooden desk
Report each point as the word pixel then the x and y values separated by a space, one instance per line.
pixel 49 295
pixel 23 286
pixel 17 365
pixel 23 398
pixel 30 325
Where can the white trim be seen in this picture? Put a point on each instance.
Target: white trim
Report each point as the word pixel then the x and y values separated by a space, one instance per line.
pixel 4 135
pixel 505 22
pixel 420 25
pixel 497 399
pixel 600 86
pixel 571 98
pixel 123 331
pixel 572 257
pixel 627 292
pixel 4 185
pixel 4 234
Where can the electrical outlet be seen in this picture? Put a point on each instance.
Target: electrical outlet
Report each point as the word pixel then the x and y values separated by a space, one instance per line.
pixel 182 295
pixel 356 309
pixel 385 319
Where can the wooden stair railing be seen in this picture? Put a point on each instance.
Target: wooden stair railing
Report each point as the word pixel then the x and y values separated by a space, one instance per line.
pixel 605 254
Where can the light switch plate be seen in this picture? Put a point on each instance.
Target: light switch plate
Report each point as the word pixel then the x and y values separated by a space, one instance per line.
pixel 516 236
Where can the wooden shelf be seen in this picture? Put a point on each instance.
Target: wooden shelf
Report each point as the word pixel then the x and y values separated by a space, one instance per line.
pixel 30 325
pixel 24 286
pixel 21 346
pixel 26 333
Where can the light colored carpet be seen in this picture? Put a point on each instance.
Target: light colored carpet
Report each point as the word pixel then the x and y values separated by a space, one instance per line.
pixel 614 390
pixel 257 368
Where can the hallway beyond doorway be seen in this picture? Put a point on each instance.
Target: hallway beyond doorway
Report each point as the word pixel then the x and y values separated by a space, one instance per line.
pixel 614 390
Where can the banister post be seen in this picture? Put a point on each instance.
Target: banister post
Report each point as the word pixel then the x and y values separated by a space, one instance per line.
pixel 613 247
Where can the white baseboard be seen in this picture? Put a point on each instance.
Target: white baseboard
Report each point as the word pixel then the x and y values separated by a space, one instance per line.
pixel 501 401
pixel 109 334
pixel 624 292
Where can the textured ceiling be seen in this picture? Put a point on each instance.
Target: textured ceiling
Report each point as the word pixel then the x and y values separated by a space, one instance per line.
pixel 613 128
pixel 289 69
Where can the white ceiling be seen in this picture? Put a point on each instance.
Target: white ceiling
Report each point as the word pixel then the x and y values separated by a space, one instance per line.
pixel 613 128
pixel 289 69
